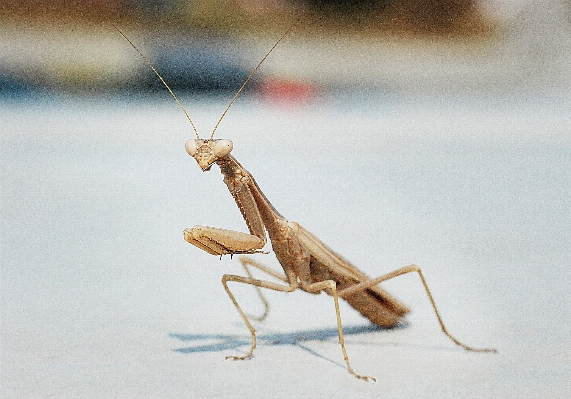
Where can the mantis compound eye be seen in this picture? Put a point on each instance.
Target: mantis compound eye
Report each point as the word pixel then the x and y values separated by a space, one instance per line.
pixel 222 148
pixel 191 147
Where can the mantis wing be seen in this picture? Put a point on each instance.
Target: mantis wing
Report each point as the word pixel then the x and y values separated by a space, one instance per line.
pixel 374 303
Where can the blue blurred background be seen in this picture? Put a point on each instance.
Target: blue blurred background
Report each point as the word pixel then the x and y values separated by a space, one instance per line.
pixel 211 46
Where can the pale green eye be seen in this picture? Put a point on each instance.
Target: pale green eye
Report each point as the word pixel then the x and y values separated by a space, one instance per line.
pixel 191 147
pixel 222 148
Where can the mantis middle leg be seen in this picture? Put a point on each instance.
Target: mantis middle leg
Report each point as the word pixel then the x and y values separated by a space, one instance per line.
pixel 329 285
pixel 246 261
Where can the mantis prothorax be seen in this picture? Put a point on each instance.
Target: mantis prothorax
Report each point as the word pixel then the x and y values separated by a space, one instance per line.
pixel 308 264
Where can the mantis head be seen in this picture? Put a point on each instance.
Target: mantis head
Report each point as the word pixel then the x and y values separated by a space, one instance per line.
pixel 208 151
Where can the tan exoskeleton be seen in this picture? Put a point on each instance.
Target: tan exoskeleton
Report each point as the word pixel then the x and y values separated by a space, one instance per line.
pixel 307 262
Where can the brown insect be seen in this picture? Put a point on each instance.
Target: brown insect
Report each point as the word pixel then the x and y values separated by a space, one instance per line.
pixel 308 263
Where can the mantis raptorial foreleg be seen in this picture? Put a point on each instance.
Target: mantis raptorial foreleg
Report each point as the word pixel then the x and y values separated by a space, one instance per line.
pixel 218 241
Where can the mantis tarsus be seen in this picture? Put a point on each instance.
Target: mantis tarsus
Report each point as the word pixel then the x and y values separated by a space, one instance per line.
pixel 307 262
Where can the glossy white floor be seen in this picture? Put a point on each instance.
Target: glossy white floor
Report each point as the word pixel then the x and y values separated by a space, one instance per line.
pixel 101 296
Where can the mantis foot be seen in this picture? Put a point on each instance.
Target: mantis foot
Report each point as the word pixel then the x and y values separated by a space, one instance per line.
pixel 239 357
pixel 360 377
pixel 365 378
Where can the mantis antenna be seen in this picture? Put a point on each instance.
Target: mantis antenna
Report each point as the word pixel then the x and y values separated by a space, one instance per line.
pixel 162 80
pixel 176 98
pixel 248 79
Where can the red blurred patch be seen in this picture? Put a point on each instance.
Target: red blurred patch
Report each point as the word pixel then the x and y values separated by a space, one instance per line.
pixel 287 91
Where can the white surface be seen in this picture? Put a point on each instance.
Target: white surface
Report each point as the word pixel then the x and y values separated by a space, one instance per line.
pixel 102 298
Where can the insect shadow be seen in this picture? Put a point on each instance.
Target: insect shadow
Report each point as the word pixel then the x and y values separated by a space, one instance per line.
pixel 295 338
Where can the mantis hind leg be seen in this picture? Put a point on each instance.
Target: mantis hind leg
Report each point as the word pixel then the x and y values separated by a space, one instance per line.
pixel 405 270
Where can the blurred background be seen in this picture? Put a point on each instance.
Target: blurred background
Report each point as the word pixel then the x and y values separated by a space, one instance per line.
pixel 434 132
pixel 206 46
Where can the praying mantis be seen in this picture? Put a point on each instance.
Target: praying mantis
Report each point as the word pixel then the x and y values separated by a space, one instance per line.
pixel 308 264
